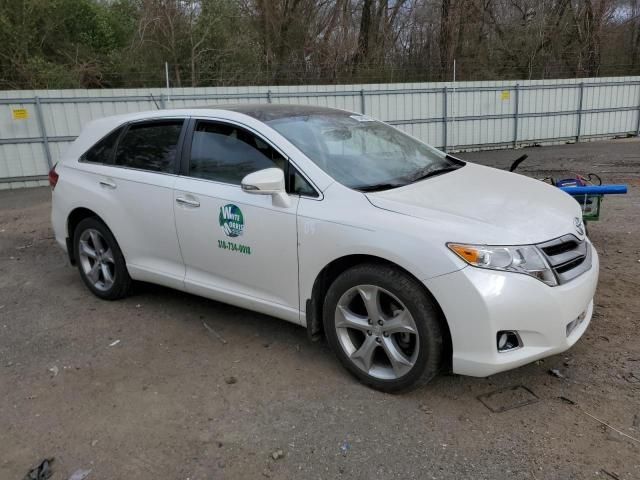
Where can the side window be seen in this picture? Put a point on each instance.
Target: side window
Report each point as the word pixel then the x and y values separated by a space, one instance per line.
pixel 150 146
pixel 226 153
pixel 102 152
pixel 299 185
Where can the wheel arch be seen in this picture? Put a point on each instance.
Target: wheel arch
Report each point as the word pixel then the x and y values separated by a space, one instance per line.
pixel 333 269
pixel 73 219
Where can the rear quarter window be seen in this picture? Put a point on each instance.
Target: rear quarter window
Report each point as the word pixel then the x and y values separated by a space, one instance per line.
pixel 102 152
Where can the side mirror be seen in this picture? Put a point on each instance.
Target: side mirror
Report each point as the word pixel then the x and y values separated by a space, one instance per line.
pixel 269 181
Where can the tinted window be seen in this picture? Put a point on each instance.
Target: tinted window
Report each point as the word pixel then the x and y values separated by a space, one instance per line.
pixel 150 146
pixel 102 152
pixel 299 185
pixel 226 153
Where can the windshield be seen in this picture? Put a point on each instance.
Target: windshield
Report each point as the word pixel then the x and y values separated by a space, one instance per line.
pixel 362 153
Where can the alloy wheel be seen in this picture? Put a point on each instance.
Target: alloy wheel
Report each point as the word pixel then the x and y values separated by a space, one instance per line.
pixel 377 332
pixel 96 259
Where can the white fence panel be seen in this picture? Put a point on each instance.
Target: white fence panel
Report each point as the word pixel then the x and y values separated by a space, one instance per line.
pixel 37 126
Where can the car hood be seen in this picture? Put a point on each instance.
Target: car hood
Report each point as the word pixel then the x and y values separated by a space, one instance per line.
pixel 483 205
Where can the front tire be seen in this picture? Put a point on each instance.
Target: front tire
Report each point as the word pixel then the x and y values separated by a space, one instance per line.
pixel 100 261
pixel 383 327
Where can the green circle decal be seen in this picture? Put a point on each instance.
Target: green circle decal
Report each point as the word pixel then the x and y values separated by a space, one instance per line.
pixel 231 220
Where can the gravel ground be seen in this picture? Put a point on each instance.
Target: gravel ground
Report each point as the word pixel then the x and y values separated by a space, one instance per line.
pixel 140 389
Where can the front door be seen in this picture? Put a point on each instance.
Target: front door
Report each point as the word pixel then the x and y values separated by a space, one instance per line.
pixel 237 247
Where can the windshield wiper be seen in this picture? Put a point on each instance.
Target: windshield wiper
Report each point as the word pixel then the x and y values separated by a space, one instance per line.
pixel 432 173
pixel 421 175
pixel 378 187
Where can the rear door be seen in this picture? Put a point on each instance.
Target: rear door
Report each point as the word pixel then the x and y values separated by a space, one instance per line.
pixel 237 247
pixel 137 188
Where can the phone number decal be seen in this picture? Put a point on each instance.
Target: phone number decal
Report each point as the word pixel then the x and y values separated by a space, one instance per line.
pixel 234 247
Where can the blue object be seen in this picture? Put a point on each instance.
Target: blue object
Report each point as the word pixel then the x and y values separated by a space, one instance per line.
pixel 570 182
pixel 595 190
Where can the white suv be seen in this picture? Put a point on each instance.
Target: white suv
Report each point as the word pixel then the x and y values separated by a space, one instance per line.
pixel 408 260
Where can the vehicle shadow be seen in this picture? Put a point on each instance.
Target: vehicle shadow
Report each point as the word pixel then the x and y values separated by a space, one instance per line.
pixel 232 323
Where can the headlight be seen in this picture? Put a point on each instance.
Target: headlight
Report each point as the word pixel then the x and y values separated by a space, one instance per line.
pixel 525 259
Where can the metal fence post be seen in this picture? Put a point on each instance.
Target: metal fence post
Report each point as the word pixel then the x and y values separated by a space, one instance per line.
pixel 444 118
pixel 163 101
pixel 515 118
pixel 638 127
pixel 268 96
pixel 580 95
pixel 43 132
pixel 362 110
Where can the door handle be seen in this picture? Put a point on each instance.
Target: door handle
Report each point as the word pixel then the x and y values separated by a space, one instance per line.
pixel 188 203
pixel 106 184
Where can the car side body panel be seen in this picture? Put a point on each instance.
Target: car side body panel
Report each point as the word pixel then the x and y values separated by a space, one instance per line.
pixel 148 241
pixel 244 262
pixel 346 223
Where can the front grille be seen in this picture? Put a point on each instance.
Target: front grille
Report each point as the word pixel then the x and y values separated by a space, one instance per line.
pixel 568 256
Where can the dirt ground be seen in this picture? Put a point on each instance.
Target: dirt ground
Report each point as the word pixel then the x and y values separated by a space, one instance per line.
pixel 140 389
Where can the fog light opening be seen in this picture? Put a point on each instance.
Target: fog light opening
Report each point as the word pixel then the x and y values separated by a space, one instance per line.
pixel 571 326
pixel 508 340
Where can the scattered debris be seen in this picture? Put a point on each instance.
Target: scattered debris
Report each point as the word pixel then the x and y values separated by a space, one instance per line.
pixel 114 343
pixel 636 420
pixel 54 371
pixel 631 378
pixel 221 464
pixel 216 334
pixel 42 472
pixel 278 454
pixel 230 380
pixel 266 473
pixel 612 475
pixel 606 339
pixel 138 305
pixel 22 247
pixel 611 435
pixel 508 398
pixel 612 428
pixel 556 373
pixel 94 443
pixel 80 474
pixel 344 448
pixel 571 402
pixel 424 408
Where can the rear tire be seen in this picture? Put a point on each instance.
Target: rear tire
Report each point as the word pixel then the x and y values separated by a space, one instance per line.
pixel 383 327
pixel 100 261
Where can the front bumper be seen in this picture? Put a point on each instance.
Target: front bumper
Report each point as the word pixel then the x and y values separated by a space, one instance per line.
pixel 478 303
